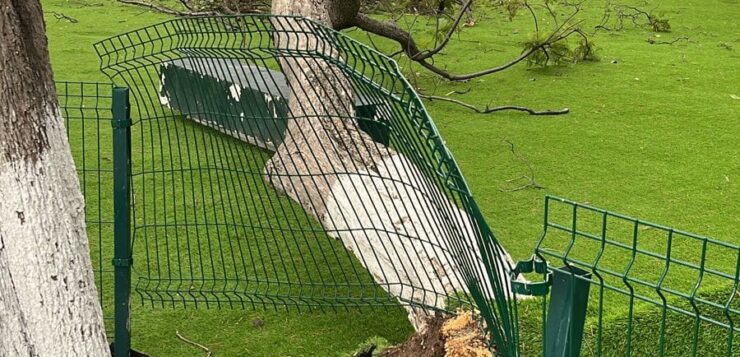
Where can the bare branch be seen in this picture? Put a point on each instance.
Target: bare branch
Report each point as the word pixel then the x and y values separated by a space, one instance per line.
pixel 470 22
pixel 460 91
pixel 192 343
pixel 652 41
pixel 638 17
pixel 531 182
pixel 167 10
pixel 426 54
pixel 489 110
pixel 534 17
pixel 392 31
pixel 62 17
pixel 409 47
pixel 403 37
pixel 187 5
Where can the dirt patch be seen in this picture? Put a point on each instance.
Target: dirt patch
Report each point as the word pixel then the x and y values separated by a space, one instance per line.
pixel 428 343
pixel 445 336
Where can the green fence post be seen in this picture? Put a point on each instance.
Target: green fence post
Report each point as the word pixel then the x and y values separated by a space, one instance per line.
pixel 567 312
pixel 122 219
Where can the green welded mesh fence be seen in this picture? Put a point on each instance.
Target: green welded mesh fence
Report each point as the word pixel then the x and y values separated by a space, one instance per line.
pixel 211 109
pixel 636 288
pixel 86 109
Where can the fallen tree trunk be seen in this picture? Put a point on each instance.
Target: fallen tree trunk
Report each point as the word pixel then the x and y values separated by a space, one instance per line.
pixel 384 209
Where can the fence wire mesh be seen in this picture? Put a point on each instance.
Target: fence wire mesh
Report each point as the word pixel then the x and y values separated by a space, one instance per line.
pixel 213 227
pixel 654 290
pixel 86 109
pixel 246 192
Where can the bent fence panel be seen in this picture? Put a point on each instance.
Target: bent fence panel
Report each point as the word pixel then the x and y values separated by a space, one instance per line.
pixel 212 171
pixel 220 215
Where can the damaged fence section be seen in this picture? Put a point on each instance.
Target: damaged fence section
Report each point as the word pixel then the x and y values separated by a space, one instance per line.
pixel 268 162
pixel 278 163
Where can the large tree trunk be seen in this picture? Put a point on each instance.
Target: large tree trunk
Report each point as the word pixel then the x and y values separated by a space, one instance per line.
pixel 48 300
pixel 372 198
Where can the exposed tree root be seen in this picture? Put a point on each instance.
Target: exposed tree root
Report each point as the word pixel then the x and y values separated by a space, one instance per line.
pixel 445 336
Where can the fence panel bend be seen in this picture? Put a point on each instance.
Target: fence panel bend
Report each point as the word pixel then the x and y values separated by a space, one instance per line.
pixel 278 163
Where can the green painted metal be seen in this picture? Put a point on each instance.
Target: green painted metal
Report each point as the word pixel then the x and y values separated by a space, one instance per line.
pixel 86 109
pixel 654 290
pixel 191 205
pixel 567 312
pixel 243 93
pixel 525 287
pixel 209 231
pixel 122 259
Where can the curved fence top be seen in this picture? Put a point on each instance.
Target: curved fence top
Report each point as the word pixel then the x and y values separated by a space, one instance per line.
pixel 277 162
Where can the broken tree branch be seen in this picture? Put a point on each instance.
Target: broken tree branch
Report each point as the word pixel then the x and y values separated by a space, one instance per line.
pixel 429 53
pixel 531 182
pixel 191 8
pixel 167 10
pixel 62 17
pixel 489 110
pixel 652 41
pixel 408 45
pixel 192 343
pixel 638 17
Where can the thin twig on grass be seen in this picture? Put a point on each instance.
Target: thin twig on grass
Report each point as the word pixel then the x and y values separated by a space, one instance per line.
pixel 62 17
pixel 652 41
pixel 489 110
pixel 531 182
pixel 166 10
pixel 192 343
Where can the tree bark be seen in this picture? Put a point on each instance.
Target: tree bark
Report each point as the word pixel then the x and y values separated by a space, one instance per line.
pixel 369 196
pixel 323 137
pixel 48 299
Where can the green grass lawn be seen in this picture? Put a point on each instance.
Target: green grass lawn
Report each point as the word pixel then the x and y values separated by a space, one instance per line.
pixel 653 132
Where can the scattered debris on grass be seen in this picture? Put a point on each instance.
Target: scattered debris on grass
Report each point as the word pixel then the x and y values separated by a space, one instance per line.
pixel 445 336
pixel 653 41
pixel 428 342
pixel 489 109
pixel 464 337
pixel 529 180
pixel 371 347
pixel 726 46
pixel 194 344
pixel 62 17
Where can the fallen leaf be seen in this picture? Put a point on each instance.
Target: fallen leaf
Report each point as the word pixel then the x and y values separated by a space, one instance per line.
pixel 734 97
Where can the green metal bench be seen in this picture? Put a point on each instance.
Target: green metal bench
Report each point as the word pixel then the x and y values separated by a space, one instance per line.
pixel 244 92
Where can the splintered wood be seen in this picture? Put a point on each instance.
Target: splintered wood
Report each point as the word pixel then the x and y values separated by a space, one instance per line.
pixel 463 337
pixel 445 336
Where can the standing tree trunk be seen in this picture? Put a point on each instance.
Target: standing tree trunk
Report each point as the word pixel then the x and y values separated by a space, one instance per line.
pixel 366 194
pixel 48 300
